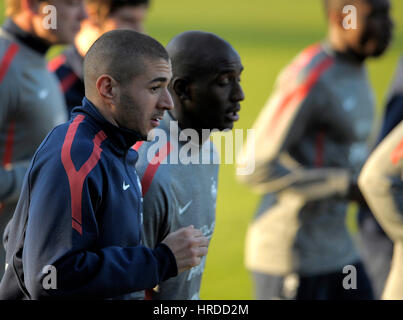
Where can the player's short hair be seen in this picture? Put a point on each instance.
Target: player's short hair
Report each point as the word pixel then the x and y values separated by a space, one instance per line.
pixel 103 8
pixel 121 54
pixel 193 54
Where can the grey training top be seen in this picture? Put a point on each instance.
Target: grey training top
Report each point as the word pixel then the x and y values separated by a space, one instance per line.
pixel 177 195
pixel 310 140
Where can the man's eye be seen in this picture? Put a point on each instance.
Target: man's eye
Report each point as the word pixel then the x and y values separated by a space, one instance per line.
pixel 154 89
pixel 223 81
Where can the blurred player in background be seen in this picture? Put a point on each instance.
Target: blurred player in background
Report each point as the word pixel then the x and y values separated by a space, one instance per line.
pixel 311 141
pixel 103 16
pixel 207 94
pixel 31 103
pixel 382 185
pixel 375 245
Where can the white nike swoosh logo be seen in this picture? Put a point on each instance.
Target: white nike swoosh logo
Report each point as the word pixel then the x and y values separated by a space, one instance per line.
pixel 125 186
pixel 183 209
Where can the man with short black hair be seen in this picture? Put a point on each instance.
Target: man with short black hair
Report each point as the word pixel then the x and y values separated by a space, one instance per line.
pixel 103 16
pixel 207 94
pixel 80 211
pixel 31 103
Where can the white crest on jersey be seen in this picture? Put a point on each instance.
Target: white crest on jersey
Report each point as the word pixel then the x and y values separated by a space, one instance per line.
pixel 208 231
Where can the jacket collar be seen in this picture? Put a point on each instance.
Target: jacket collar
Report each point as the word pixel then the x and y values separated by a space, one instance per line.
pixel 348 57
pixel 122 139
pixel 30 40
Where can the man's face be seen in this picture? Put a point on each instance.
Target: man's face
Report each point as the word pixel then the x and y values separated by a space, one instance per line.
pixel 374 28
pixel 69 14
pixel 144 100
pixel 127 17
pixel 217 97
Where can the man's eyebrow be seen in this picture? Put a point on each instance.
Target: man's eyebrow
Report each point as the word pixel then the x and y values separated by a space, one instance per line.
pixel 159 79
pixel 231 70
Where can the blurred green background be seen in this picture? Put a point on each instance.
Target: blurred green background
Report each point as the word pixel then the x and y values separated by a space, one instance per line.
pixel 267 35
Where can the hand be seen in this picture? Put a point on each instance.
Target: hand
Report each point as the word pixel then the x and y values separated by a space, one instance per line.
pixel 188 246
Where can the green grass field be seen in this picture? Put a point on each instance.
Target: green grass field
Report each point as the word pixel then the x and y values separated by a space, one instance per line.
pixel 267 34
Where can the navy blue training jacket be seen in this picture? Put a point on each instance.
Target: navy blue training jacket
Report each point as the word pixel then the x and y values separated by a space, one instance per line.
pixel 80 212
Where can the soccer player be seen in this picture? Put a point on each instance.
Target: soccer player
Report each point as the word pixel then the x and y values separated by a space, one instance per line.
pixel 375 246
pixel 310 145
pixel 207 94
pixel 31 103
pixel 381 184
pixel 80 211
pixel 103 16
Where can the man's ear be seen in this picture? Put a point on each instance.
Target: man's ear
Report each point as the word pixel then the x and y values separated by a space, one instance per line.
pixel 107 88
pixel 181 87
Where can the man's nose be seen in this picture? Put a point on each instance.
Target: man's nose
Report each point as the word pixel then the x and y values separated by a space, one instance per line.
pixel 237 93
pixel 166 101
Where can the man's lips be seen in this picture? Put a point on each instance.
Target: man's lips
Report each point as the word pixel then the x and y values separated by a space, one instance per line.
pixel 232 114
pixel 155 121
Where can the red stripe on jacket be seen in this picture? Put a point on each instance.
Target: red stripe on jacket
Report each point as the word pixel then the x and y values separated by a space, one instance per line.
pixel 56 62
pixel 152 168
pixel 147 179
pixel 68 81
pixel 302 91
pixel 8 59
pixel 137 145
pixel 397 153
pixel 320 144
pixel 77 178
pixel 5 64
pixel 303 59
